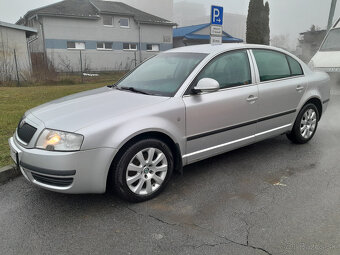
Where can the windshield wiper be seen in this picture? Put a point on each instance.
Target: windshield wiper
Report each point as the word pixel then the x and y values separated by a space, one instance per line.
pixel 133 90
pixel 111 86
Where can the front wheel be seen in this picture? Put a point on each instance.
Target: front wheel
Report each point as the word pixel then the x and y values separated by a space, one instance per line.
pixel 143 170
pixel 305 124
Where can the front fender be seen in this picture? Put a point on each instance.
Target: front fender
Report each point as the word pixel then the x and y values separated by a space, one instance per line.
pixel 167 117
pixel 176 131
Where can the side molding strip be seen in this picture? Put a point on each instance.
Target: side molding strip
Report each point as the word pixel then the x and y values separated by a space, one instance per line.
pixel 235 141
pixel 193 137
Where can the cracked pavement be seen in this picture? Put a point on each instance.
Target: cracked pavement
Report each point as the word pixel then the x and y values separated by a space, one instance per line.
pixel 272 197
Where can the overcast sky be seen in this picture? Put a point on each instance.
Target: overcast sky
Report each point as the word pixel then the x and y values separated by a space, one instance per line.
pixel 287 16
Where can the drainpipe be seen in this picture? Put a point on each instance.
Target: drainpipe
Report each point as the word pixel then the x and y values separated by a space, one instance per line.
pixel 140 42
pixel 29 52
pixel 43 38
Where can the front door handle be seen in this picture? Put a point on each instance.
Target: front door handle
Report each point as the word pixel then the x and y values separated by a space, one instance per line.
pixel 252 99
pixel 299 88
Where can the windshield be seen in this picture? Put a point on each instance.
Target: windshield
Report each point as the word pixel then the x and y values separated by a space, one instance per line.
pixel 163 74
pixel 332 42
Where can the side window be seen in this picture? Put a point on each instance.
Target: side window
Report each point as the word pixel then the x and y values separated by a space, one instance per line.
pixel 230 69
pixel 295 67
pixel 271 64
pixel 108 21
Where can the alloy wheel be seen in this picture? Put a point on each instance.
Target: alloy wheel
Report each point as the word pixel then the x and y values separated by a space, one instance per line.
pixel 146 171
pixel 308 123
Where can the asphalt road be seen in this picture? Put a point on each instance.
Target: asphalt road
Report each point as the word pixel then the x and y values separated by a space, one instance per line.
pixel 268 198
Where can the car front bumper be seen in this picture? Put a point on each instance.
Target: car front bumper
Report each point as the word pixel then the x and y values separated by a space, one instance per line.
pixel 66 172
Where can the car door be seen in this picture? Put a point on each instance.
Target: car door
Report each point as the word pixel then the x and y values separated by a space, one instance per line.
pixel 226 119
pixel 281 87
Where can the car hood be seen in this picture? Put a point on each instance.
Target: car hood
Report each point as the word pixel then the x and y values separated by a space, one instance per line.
pixel 323 59
pixel 83 109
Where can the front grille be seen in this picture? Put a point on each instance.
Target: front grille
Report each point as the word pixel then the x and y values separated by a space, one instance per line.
pixel 26 132
pixel 60 182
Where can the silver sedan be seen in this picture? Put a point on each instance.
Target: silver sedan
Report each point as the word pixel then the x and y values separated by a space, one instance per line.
pixel 179 107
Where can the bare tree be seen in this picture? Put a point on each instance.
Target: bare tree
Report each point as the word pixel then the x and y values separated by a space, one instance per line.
pixel 280 41
pixel 65 63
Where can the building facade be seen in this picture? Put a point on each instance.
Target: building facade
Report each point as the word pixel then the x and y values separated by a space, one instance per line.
pixel 15 61
pixel 94 35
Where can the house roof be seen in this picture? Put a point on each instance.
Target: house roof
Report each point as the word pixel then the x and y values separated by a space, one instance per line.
pixel 183 31
pixel 91 9
pixel 192 33
pixel 29 31
pixel 76 8
pixel 207 37
pixel 314 32
pixel 124 9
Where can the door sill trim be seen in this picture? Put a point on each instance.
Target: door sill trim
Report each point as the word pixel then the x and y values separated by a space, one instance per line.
pixel 235 141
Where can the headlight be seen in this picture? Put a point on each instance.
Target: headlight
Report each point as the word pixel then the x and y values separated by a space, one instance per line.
pixel 54 140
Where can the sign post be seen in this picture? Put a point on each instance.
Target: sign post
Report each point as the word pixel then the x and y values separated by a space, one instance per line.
pixel 216 30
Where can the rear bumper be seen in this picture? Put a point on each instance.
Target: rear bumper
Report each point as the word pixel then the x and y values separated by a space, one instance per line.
pixel 65 172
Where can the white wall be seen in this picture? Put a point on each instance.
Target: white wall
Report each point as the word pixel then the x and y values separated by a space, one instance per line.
pixel 10 40
pixel 59 30
pixel 235 25
pixel 185 13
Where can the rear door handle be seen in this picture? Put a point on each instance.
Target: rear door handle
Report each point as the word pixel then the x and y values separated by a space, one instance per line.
pixel 252 99
pixel 299 88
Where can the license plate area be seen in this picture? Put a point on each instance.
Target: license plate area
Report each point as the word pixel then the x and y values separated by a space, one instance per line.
pixel 15 156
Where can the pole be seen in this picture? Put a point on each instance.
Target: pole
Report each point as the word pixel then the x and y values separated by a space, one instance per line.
pixel 140 42
pixel 81 68
pixel 331 14
pixel 16 67
pixel 135 58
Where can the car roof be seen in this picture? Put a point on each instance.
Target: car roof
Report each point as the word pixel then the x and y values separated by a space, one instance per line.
pixel 215 49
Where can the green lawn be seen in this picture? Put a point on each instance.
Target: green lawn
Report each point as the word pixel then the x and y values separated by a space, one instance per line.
pixel 15 101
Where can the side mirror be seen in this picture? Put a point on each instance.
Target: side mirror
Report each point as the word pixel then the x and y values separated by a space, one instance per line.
pixel 207 85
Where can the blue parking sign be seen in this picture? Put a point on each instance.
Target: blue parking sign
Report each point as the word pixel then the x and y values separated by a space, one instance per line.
pixel 216 15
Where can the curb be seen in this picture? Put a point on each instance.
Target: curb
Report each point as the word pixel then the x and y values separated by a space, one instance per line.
pixel 7 173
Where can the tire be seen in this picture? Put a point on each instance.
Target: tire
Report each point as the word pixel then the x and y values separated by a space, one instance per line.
pixel 138 178
pixel 305 125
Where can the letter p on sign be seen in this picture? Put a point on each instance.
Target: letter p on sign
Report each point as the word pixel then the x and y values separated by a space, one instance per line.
pixel 216 15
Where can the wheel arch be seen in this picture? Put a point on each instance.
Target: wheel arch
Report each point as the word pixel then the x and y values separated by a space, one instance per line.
pixel 317 102
pixel 174 147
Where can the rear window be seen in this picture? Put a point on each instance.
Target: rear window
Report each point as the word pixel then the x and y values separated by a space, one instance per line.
pixel 275 65
pixel 332 42
pixel 272 65
pixel 294 67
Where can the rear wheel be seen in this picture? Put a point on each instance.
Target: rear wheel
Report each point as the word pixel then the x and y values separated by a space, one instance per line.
pixel 143 170
pixel 305 124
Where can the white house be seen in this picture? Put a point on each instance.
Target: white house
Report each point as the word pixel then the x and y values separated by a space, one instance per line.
pixel 96 35
pixel 15 61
